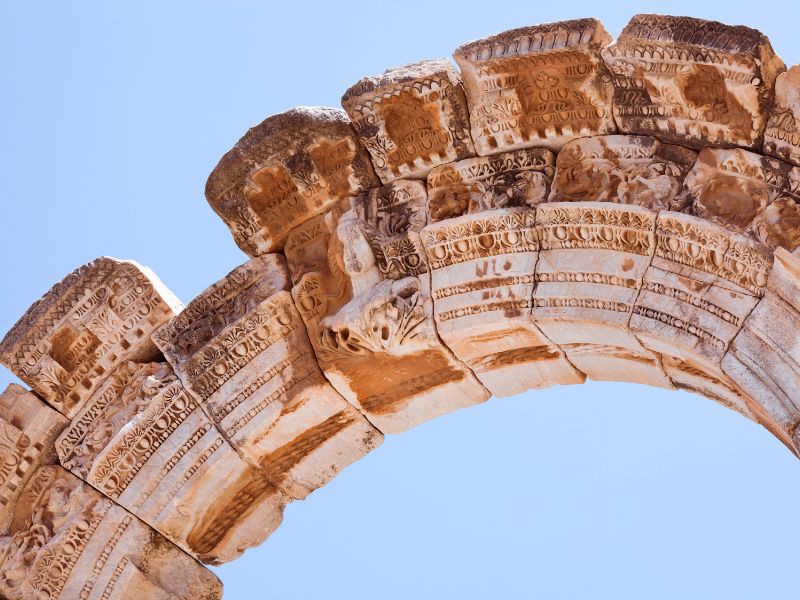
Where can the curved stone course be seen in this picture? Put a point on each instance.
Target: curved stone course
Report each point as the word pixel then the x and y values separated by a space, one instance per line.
pixel 565 207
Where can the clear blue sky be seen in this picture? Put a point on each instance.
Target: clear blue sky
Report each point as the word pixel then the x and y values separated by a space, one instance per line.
pixel 112 119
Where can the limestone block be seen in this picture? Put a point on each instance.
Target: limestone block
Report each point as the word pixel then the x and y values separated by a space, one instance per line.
pixel 592 259
pixel 764 358
pixel 482 275
pixel 144 441
pixel 28 428
pixel 782 136
pixel 506 180
pixel 537 86
pixel 242 349
pixel 411 118
pixel 289 168
pixel 370 319
pixel 99 316
pixel 702 283
pixel 692 82
pixel 737 189
pixel 68 542
pixel 628 169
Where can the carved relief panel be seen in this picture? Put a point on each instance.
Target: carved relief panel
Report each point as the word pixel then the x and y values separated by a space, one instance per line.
pixel 627 169
pixel 369 313
pixel 764 358
pixel 242 349
pixel 143 441
pixel 747 192
pixel 537 86
pixel 99 316
pixel 702 283
pixel 28 428
pixel 411 118
pixel 289 168
pixel 68 542
pixel 782 136
pixel 592 258
pixel 692 82
pixel 506 180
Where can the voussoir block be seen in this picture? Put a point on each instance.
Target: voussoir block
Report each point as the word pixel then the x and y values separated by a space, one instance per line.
pixel 482 277
pixel 67 542
pixel 627 169
pixel 289 168
pixel 592 260
pixel 99 316
pixel 702 283
pixel 361 285
pixel 537 86
pixel 692 82
pixel 142 440
pixel 411 118
pixel 242 349
pixel 764 358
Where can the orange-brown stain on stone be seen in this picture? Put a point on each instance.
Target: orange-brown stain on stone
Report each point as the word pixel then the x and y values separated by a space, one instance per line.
pixel 415 128
pixel 226 513
pixel 334 163
pixel 628 264
pixel 271 194
pixel 384 383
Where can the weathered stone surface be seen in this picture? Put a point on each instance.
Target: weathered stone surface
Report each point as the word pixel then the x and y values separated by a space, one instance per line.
pixel 511 179
pixel 369 312
pixel 287 169
pixel 67 542
pixel 411 118
pixel 700 287
pixel 99 316
pixel 627 169
pixel 242 349
pixel 28 428
pixel 764 358
pixel 537 86
pixel 782 136
pixel 692 82
pixel 736 188
pixel 142 440
pixel 592 259
pixel 482 274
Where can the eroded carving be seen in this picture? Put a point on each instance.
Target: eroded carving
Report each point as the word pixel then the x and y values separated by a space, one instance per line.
pixel 99 316
pixel 28 428
pixel 782 136
pixel 622 168
pixel 537 86
pixel 287 169
pixel 507 180
pixel 692 82
pixel 737 188
pixel 241 348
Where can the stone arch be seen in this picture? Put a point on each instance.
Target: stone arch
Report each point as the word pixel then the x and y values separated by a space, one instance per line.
pixel 579 219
